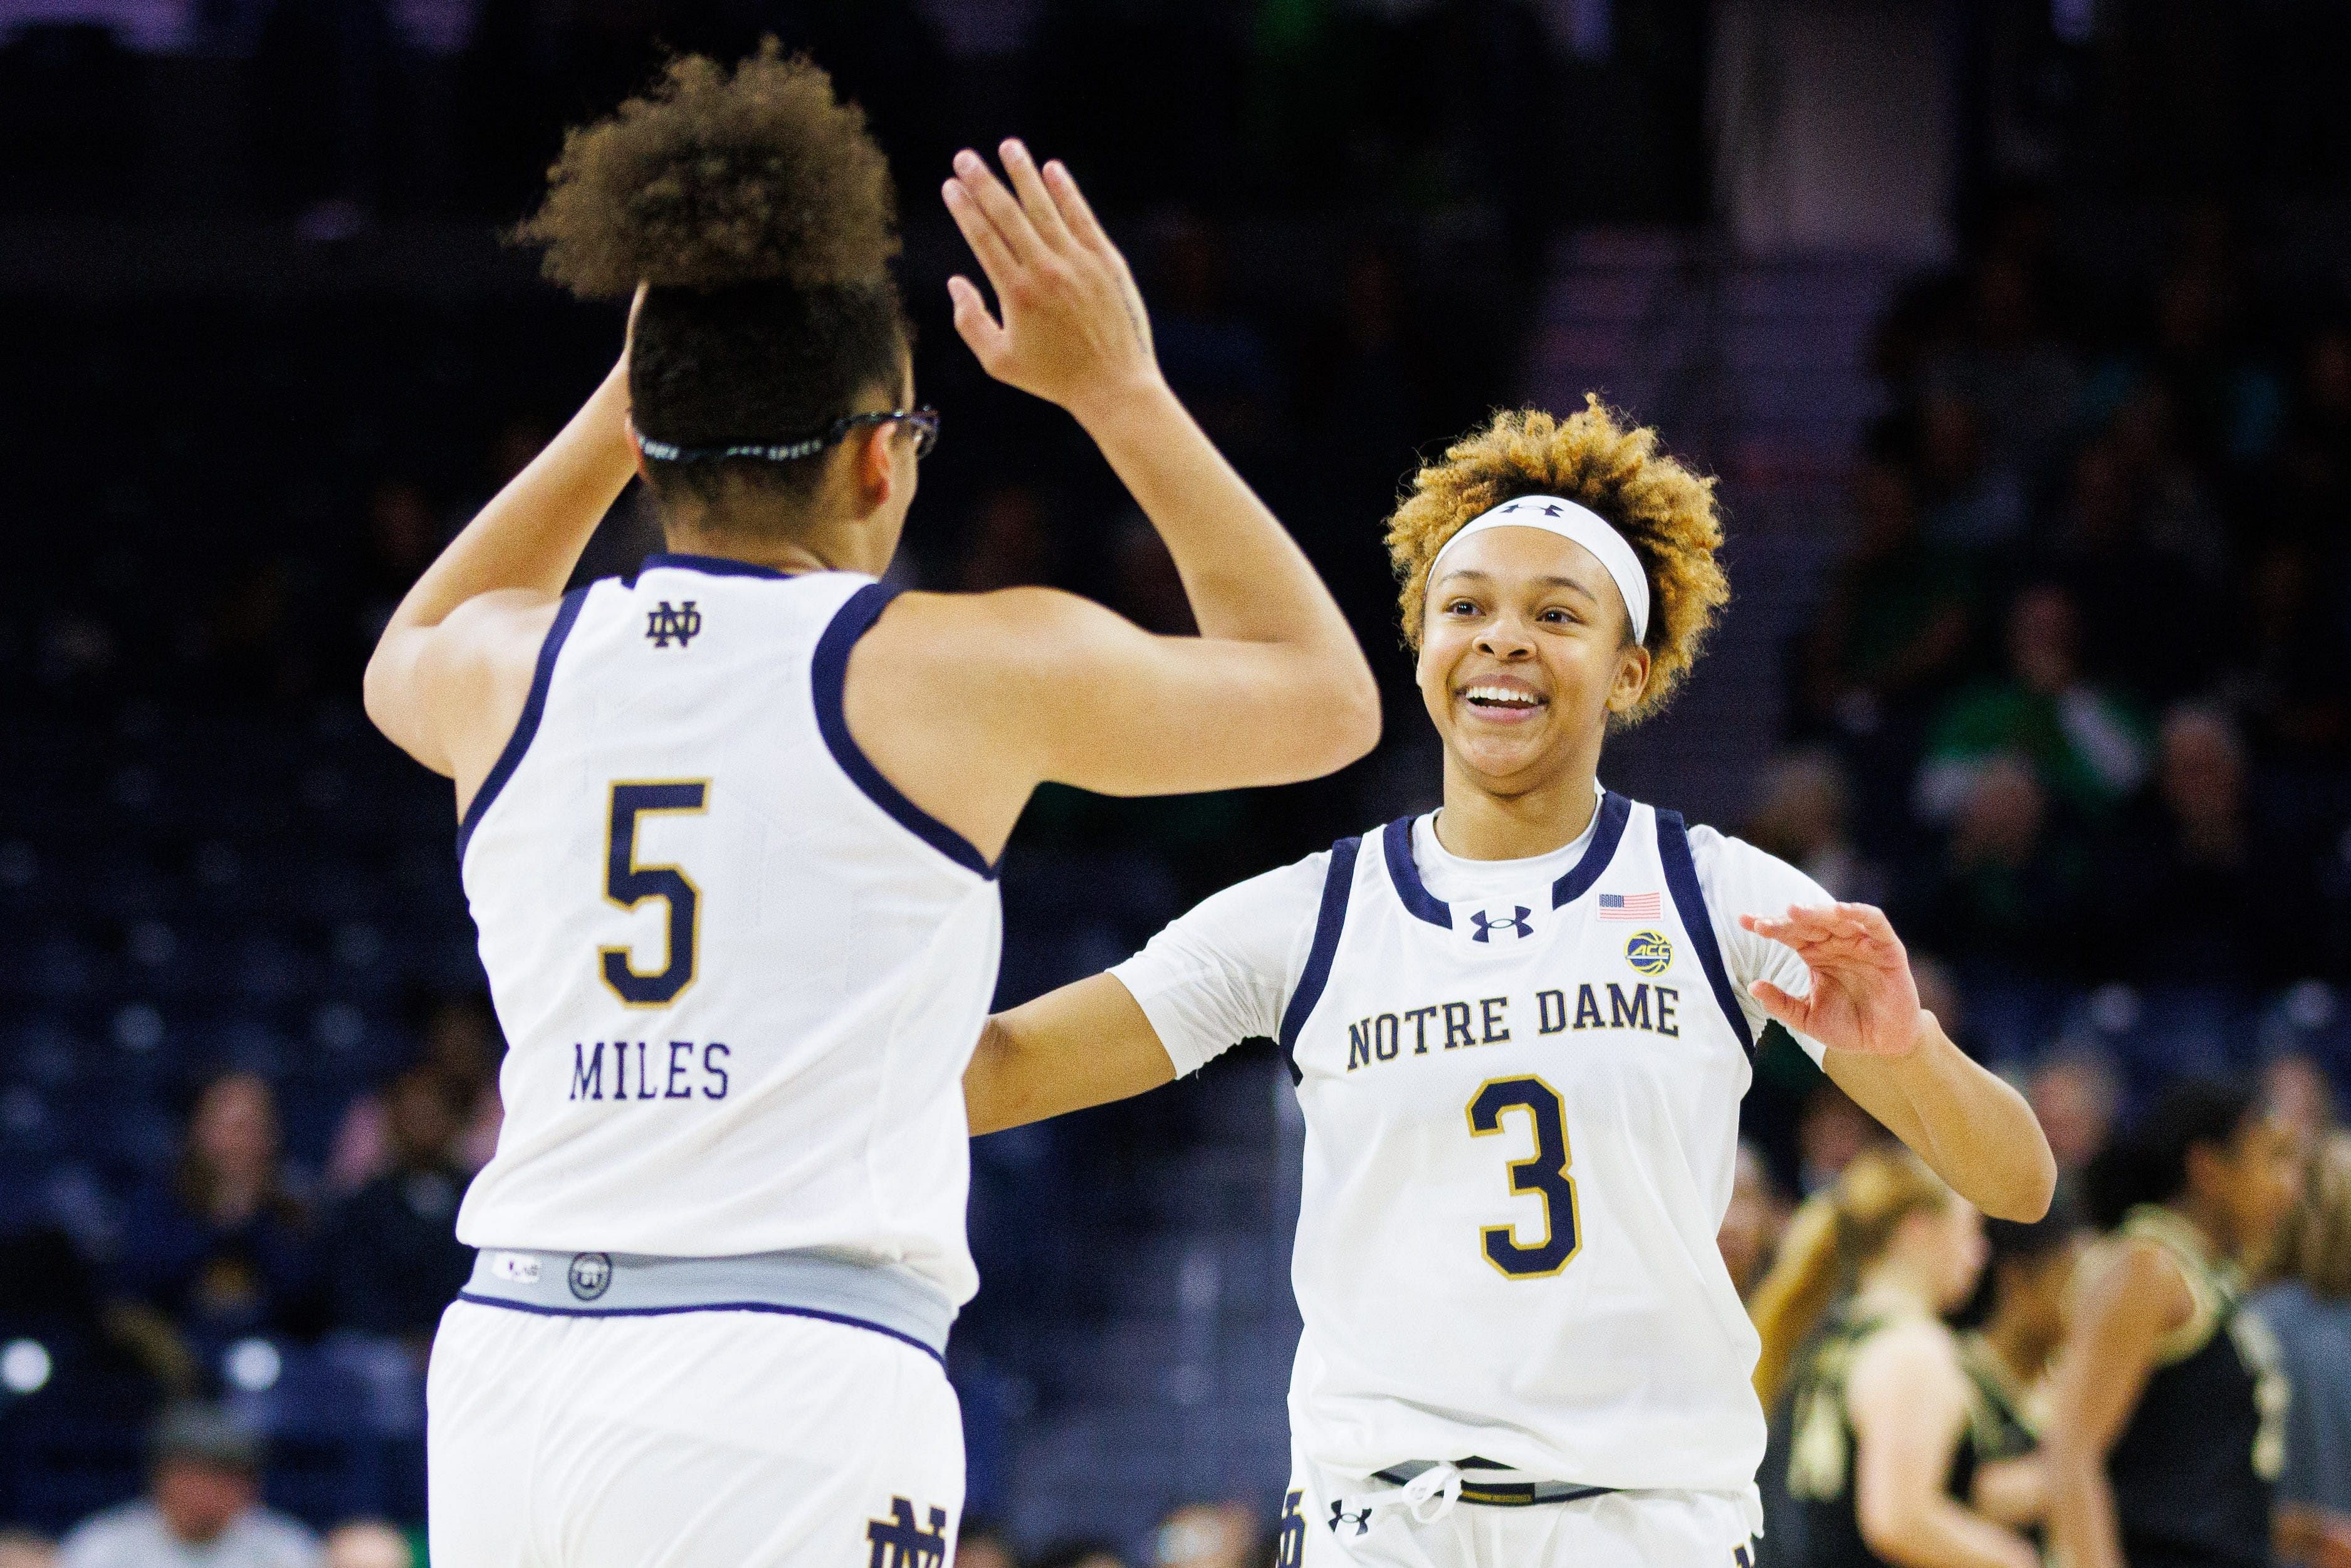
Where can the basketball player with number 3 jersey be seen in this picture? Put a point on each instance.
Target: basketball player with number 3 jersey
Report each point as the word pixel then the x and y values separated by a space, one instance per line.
pixel 730 828
pixel 1520 1028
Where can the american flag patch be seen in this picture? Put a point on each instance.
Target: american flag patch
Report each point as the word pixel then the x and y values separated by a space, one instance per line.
pixel 1631 905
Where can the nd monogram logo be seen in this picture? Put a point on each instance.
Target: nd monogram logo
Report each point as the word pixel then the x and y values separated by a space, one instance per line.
pixel 897 1544
pixel 1517 924
pixel 663 625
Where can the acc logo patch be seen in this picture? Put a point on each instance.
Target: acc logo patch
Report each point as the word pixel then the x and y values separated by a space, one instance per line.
pixel 592 1275
pixel 1648 952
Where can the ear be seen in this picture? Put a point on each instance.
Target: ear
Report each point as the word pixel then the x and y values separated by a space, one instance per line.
pixel 1632 679
pixel 637 443
pixel 870 465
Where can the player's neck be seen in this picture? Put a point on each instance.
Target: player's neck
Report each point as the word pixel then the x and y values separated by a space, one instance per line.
pixel 1479 825
pixel 818 548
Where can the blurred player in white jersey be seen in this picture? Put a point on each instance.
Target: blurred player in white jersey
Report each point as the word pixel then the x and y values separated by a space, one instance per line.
pixel 729 828
pixel 1520 1029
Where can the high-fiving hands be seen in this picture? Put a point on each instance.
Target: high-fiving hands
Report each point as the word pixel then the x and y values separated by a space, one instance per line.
pixel 1864 996
pixel 1073 331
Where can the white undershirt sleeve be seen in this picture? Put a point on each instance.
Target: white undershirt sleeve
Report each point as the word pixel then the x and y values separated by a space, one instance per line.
pixel 1224 972
pixel 1740 879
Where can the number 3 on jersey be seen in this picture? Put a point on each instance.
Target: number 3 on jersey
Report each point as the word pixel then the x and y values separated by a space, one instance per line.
pixel 1544 1175
pixel 628 884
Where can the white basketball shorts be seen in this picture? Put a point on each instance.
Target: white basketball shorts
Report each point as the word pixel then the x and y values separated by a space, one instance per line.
pixel 1330 1521
pixel 700 1439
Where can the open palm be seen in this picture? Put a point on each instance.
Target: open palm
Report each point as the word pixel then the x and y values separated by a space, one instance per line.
pixel 1864 998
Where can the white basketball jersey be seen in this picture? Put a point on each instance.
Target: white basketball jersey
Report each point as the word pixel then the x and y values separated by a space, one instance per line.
pixel 740 975
pixel 1522 1126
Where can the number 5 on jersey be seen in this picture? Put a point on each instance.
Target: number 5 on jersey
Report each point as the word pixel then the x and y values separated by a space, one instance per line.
pixel 1543 1176
pixel 628 884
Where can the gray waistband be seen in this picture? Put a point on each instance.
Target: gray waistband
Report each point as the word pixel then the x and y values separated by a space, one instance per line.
pixel 630 1284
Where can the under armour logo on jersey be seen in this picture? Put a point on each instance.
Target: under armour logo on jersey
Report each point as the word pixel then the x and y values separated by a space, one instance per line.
pixel 1289 1545
pixel 898 1543
pixel 1518 924
pixel 1361 1518
pixel 663 623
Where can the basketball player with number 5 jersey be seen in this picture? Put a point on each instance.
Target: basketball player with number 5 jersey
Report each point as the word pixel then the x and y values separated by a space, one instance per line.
pixel 730 828
pixel 1520 1028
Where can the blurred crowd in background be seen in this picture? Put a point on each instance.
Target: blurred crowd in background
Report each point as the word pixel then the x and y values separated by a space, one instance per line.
pixel 2073 700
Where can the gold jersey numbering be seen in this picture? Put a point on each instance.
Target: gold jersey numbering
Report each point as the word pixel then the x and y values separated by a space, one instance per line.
pixel 1542 1175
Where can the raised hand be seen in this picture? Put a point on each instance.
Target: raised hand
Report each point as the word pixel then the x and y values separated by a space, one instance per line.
pixel 1073 331
pixel 1864 998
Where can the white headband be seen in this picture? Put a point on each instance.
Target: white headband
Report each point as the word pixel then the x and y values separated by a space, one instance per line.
pixel 1587 527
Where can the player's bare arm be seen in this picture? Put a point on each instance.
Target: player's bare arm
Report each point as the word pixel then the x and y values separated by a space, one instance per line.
pixel 1893 1057
pixel 2126 1307
pixel 1907 1401
pixel 1042 685
pixel 1087 1043
pixel 454 663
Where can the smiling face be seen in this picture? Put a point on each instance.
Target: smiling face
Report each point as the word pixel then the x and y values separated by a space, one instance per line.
pixel 1525 651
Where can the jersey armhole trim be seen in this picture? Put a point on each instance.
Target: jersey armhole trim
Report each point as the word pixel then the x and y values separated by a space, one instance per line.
pixel 828 675
pixel 534 709
pixel 1690 899
pixel 1338 882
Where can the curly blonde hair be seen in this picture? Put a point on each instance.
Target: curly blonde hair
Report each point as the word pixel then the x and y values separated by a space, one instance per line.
pixel 1599 460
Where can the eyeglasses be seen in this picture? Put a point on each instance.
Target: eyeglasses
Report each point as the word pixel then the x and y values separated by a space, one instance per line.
pixel 924 421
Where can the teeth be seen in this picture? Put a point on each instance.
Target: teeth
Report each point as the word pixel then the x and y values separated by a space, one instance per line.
pixel 1501 695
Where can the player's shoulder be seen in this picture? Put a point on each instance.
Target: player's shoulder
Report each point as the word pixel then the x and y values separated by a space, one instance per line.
pixel 1742 872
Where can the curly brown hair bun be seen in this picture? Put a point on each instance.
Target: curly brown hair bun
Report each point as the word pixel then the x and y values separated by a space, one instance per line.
pixel 717 178
pixel 1597 460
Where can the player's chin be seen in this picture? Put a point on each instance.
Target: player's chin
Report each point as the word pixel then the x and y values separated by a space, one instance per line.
pixel 1499 751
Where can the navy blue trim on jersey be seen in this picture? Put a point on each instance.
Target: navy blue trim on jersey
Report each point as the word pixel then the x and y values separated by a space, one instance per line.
pixel 828 670
pixel 1338 882
pixel 1614 812
pixel 1396 840
pixel 534 709
pixel 710 566
pixel 1690 900
pixel 770 1307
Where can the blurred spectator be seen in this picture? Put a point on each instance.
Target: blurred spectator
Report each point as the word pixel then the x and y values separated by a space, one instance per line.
pixel 2086 747
pixel 222 1246
pixel 1751 1225
pixel 1896 621
pixel 1218 362
pixel 2007 366
pixel 1830 1131
pixel 461 1047
pixel 2316 465
pixel 2302 1098
pixel 394 1258
pixel 1971 503
pixel 2186 900
pixel 2076 1096
pixel 980 1544
pixel 1801 818
pixel 1080 1554
pixel 1205 1535
pixel 2114 573
pixel 2292 679
pixel 366 1543
pixel 2007 889
pixel 1010 543
pixel 22 1549
pixel 203 1507
pixel 2309 1310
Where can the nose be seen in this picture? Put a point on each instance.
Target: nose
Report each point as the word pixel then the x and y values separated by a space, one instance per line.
pixel 1505 637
